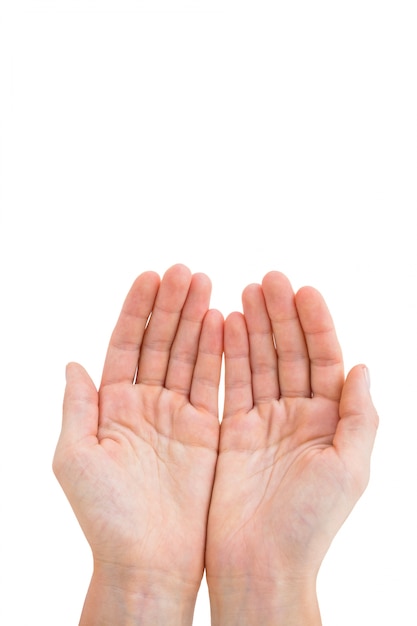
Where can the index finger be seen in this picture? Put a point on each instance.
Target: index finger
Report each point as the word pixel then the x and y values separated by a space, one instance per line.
pixel 123 352
pixel 325 354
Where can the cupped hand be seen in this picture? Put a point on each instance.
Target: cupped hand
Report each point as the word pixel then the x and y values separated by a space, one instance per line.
pixel 295 442
pixel 137 458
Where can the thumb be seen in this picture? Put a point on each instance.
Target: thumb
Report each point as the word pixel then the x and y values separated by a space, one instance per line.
pixel 80 410
pixel 358 424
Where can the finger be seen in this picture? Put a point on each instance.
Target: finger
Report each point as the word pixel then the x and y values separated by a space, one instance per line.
pixel 163 325
pixel 357 427
pixel 293 363
pixel 238 380
pixel 206 376
pixel 80 410
pixel 123 352
pixel 263 357
pixel 184 349
pixel 326 360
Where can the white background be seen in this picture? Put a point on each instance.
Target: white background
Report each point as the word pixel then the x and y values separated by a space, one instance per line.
pixel 235 137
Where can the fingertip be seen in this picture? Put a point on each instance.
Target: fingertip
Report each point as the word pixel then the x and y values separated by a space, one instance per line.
pixel 68 368
pixel 251 293
pixel 78 382
pixel 178 267
pixel 212 331
pixel 310 302
pixel 367 376
pixel 149 277
pixel 215 315
pixel 234 327
pixel 252 287
pixel 274 278
pixel 306 292
pixel 364 373
pixel 236 342
pixel 278 294
pixel 234 316
pixel 234 320
pixel 143 291
pixel 201 284
pixel 361 374
pixel 272 275
pixel 73 369
pixel 202 278
pixel 177 279
pixel 356 396
pixel 150 274
pixel 180 270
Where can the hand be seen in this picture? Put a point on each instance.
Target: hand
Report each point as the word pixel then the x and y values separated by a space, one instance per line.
pixel 294 455
pixel 137 461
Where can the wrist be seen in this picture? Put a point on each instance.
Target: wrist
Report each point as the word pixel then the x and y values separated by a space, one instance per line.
pixel 246 601
pixel 128 596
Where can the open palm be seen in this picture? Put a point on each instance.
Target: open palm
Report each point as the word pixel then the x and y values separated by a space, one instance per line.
pixel 295 440
pixel 137 458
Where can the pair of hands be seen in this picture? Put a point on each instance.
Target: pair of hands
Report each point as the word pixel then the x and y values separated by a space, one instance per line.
pixel 162 490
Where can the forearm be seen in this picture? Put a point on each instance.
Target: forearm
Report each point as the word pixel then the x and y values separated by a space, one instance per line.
pixel 126 601
pixel 251 603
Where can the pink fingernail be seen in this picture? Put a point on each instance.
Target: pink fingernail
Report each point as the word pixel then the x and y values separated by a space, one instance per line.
pixel 367 376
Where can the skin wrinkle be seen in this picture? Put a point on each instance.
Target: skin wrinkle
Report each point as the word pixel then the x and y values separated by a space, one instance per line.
pixel 167 310
pixel 264 400
pixel 291 356
pixel 334 399
pixel 166 462
pixel 125 346
pixel 149 382
pixel 322 362
pixel 238 384
pixel 321 442
pixel 159 481
pixel 125 314
pixel 126 430
pixel 262 368
pixel 158 346
pixel 184 357
pixel 270 470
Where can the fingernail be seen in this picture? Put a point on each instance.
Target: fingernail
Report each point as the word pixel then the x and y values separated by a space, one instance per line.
pixel 68 365
pixel 367 376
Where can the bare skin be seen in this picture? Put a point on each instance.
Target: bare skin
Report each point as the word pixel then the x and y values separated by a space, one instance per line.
pixel 137 461
pixel 161 489
pixel 295 446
